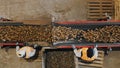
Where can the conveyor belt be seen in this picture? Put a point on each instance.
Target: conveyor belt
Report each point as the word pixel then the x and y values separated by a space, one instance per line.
pixel 86 26
pixel 17 31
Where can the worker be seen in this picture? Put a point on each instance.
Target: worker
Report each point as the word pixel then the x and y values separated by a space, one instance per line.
pixel 86 54
pixel 4 19
pixel 107 18
pixel 53 19
pixel 26 51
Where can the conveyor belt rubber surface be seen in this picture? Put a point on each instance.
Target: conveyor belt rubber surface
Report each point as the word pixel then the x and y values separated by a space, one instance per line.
pixel 84 27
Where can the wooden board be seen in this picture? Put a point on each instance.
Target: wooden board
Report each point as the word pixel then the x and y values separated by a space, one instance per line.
pixel 117 9
pixel 98 63
pixel 101 7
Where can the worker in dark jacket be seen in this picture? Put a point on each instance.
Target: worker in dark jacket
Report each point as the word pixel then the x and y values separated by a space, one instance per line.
pixel 86 54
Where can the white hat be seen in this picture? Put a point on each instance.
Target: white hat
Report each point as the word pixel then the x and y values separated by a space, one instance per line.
pixel 21 53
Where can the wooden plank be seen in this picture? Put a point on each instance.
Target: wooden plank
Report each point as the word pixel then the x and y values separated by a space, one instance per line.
pixel 100 51
pixel 96 17
pixel 99 11
pixel 91 65
pixel 99 59
pixel 100 56
pixel 97 62
pixel 94 1
pixel 107 11
pixel 107 4
pixel 76 62
pixel 100 7
pixel 93 7
pixel 92 19
pixel 38 60
pixel 107 1
pixel 107 7
pixel 94 14
pixel 93 10
pixel 117 10
pixel 94 63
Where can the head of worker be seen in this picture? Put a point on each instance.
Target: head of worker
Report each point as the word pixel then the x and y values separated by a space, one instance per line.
pixel 86 54
pixel 89 54
pixel 20 53
pixel 25 52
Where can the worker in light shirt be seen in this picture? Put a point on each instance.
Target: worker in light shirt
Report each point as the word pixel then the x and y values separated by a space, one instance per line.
pixel 25 52
pixel 86 54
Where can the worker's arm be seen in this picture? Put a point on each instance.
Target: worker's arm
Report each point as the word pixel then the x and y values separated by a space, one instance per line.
pixel 17 48
pixel 77 52
pixel 73 46
pixel 95 52
pixel 20 53
pixel 32 53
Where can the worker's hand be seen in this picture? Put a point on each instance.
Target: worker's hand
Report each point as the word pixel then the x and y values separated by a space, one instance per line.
pixel 35 45
pixel 95 52
pixel 73 46
pixel 17 43
pixel 31 54
pixel 96 46
pixel 77 52
pixel 17 48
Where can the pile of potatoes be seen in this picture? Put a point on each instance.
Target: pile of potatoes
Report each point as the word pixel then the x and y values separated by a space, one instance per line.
pixel 47 33
pixel 106 34
pixel 26 33
pixel 62 33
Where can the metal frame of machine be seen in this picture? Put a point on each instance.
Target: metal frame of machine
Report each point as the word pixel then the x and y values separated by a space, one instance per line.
pixel 71 23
